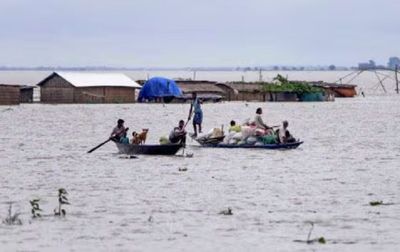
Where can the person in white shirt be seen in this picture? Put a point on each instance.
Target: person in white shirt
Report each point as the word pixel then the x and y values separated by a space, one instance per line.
pixel 284 134
pixel 259 121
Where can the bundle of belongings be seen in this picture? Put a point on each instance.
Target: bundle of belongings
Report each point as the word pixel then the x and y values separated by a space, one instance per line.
pixel 214 136
pixel 251 135
pixel 248 134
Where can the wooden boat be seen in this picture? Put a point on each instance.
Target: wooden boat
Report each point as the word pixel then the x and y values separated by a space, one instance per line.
pixel 147 149
pixel 293 145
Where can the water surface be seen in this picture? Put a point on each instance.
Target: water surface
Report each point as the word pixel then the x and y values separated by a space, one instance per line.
pixel 350 157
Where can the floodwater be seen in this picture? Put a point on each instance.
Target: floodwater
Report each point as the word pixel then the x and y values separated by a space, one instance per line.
pixel 350 157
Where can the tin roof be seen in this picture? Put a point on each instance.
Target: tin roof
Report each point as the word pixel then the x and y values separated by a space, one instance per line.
pixel 85 79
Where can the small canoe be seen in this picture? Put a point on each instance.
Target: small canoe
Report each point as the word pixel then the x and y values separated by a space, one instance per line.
pixel 147 149
pixel 248 146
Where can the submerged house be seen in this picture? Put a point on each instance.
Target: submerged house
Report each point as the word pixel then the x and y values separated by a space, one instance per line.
pixel 338 90
pixel 82 87
pixel 263 92
pixel 26 94
pixel 205 90
pixel 9 94
pixel 241 91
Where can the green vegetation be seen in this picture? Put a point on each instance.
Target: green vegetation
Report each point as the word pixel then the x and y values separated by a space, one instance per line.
pixel 35 208
pixel 284 85
pixel 320 240
pixel 62 200
pixel 12 218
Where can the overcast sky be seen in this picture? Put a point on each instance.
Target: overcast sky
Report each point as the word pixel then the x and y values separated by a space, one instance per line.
pixel 179 33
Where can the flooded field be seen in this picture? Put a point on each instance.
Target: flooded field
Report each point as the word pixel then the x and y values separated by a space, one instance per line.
pixel 350 158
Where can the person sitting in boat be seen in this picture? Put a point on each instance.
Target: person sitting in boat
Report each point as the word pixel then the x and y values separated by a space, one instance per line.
pixel 119 131
pixel 284 135
pixel 178 134
pixel 259 123
pixel 234 127
pixel 124 139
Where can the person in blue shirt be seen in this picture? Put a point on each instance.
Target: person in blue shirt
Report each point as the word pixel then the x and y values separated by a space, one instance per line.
pixel 195 108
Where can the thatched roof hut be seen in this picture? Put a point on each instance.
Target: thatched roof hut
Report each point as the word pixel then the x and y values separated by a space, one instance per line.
pixel 206 90
pixel 240 91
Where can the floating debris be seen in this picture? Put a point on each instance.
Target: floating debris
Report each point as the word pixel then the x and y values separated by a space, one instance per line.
pixel 183 169
pixel 320 240
pixel 226 211
pixel 128 157
pixel 375 203
pixel 378 203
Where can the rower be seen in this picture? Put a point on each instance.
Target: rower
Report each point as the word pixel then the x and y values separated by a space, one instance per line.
pixel 119 131
pixel 178 134
pixel 195 108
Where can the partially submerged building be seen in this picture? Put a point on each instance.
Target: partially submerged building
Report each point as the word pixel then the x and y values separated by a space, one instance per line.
pixel 241 91
pixel 9 94
pixel 26 94
pixel 205 90
pixel 83 87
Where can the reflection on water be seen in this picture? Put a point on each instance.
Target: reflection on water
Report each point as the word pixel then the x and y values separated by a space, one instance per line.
pixel 350 157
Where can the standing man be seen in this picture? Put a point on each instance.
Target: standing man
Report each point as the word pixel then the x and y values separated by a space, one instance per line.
pixel 195 107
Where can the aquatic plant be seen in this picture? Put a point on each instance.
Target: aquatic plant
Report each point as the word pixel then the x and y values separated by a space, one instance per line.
pixel 35 208
pixel 379 203
pixel 311 241
pixel 12 219
pixel 62 200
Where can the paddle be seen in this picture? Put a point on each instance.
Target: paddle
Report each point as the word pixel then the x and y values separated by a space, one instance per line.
pixel 103 143
pixel 98 146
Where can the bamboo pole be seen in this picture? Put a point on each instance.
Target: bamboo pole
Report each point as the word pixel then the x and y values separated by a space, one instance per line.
pixel 380 81
pixel 397 79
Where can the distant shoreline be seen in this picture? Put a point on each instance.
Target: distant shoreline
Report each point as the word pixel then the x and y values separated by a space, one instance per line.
pixel 191 69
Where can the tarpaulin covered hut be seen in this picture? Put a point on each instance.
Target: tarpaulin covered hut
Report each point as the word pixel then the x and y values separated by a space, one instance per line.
pixel 159 89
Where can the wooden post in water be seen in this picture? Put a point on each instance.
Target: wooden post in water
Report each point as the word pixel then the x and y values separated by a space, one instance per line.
pixel 397 79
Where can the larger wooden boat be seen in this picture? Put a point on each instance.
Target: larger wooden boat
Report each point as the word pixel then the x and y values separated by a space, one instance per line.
pixel 147 149
pixel 293 145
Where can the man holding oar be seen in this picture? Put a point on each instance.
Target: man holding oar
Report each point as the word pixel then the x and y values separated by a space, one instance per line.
pixel 195 108
pixel 117 134
pixel 119 131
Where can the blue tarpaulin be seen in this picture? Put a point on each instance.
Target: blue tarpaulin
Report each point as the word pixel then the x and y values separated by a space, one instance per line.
pixel 159 87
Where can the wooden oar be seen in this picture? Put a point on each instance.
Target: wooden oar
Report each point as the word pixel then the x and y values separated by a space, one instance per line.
pixel 103 143
pixel 98 146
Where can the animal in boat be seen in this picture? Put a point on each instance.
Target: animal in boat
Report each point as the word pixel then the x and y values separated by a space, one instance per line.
pixel 140 138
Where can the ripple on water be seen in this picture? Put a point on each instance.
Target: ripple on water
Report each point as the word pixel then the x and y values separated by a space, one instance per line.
pixel 329 180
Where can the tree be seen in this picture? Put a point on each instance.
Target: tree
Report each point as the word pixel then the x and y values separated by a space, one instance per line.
pixel 332 67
